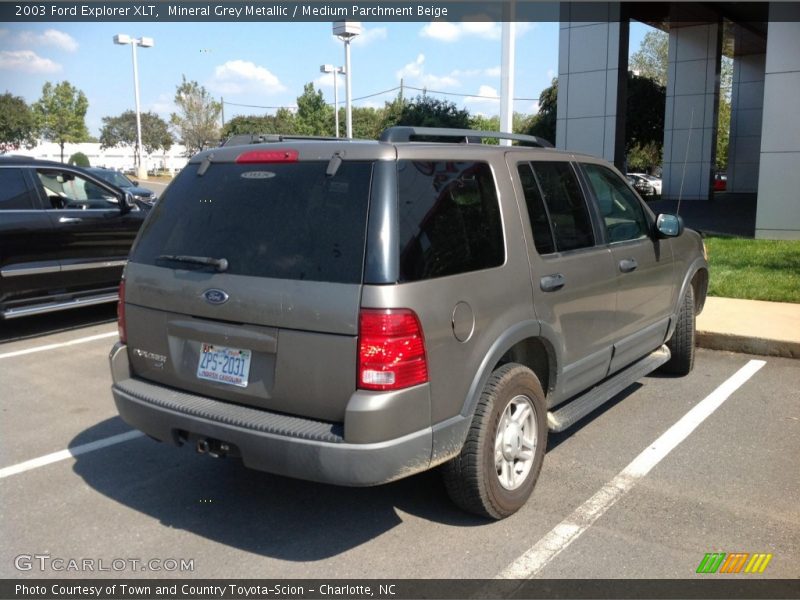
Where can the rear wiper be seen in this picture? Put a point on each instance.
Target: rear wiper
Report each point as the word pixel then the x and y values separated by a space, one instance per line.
pixel 220 264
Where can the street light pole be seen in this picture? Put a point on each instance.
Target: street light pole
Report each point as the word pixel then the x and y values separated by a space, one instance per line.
pixel 144 42
pixel 346 31
pixel 141 173
pixel 336 71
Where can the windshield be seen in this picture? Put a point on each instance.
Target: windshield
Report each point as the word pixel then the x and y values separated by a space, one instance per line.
pixel 287 221
pixel 115 177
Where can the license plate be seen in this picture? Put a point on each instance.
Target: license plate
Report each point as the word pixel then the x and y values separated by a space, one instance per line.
pixel 224 365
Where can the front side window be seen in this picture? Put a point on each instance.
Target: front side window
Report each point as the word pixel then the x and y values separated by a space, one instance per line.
pixel 449 219
pixel 14 193
pixel 568 214
pixel 621 210
pixel 68 190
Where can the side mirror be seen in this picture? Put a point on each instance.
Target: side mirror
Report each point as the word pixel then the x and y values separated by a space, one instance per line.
pixel 128 204
pixel 135 182
pixel 669 225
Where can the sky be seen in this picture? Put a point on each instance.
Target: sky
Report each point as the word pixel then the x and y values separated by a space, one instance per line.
pixel 267 64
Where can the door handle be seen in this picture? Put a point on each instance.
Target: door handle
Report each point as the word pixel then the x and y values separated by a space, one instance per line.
pixel 627 265
pixel 69 220
pixel 551 283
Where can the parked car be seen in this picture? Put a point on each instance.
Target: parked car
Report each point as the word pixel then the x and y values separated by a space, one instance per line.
pixel 641 184
pixel 720 182
pixel 655 182
pixel 140 195
pixel 64 237
pixel 355 312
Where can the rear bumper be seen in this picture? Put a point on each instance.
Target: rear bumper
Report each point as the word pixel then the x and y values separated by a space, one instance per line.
pixel 280 444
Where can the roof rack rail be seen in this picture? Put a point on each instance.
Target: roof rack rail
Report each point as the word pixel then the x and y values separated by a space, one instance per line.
pixel 404 133
pixel 266 138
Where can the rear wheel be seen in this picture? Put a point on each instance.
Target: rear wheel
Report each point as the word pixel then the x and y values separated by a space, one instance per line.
pixel 500 461
pixel 681 344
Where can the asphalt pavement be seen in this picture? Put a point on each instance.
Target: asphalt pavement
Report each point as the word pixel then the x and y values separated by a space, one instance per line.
pixel 729 485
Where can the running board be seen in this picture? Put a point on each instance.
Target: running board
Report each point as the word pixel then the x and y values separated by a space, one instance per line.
pixel 36 309
pixel 581 406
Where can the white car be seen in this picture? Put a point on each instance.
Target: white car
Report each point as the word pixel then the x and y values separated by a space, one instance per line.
pixel 654 181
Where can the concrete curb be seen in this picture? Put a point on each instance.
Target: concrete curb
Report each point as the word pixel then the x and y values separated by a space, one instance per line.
pixel 747 345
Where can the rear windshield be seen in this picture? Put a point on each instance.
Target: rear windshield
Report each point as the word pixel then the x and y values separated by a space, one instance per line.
pixel 287 221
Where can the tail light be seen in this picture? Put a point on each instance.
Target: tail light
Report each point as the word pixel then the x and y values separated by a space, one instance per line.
pixel 123 332
pixel 267 156
pixel 391 350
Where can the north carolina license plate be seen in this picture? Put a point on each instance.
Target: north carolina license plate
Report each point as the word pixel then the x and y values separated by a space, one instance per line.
pixel 224 365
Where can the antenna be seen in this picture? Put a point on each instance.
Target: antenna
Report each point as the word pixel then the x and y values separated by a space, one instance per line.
pixel 685 160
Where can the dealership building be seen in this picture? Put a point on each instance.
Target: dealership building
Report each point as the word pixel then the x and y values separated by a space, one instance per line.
pixel 763 39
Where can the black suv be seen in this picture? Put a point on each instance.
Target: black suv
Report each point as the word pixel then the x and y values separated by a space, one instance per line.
pixel 64 237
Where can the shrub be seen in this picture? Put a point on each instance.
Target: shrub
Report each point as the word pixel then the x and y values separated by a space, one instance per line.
pixel 79 159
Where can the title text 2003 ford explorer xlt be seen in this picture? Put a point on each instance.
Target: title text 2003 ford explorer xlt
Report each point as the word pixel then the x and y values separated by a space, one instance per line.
pixel 356 312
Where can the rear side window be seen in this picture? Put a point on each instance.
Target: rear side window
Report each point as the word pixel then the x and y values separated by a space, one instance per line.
pixel 561 195
pixel 286 221
pixel 449 219
pixel 14 193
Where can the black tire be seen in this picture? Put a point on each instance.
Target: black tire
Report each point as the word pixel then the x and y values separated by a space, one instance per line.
pixel 681 344
pixel 472 478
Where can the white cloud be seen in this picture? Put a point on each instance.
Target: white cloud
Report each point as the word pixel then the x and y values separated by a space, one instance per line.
pixel 50 37
pixel 370 35
pixel 164 105
pixel 325 80
pixel 486 95
pixel 441 30
pixel 452 32
pixel 242 76
pixel 27 61
pixel 414 74
pixel 492 72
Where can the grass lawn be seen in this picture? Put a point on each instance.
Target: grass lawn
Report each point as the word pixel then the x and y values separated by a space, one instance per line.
pixel 754 269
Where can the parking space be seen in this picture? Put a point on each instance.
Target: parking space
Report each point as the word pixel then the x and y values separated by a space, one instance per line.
pixel 731 486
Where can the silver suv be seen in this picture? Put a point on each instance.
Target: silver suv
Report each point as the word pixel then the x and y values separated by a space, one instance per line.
pixel 354 312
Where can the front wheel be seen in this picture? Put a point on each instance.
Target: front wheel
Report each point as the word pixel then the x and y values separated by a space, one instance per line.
pixel 495 472
pixel 681 344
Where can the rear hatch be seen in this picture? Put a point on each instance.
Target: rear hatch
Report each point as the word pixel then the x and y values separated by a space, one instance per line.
pixel 271 319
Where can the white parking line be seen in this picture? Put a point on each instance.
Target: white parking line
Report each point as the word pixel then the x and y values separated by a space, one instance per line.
pixel 562 535
pixel 70 452
pixel 83 340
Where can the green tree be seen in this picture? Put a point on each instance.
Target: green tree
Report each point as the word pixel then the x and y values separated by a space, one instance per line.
pixel 197 121
pixel 426 111
pixel 79 159
pixel 644 120
pixel 723 132
pixel 367 122
pixel 543 124
pixel 651 58
pixel 283 121
pixel 393 111
pixel 60 114
pixel 314 116
pixel 250 124
pixel 17 124
pixel 121 131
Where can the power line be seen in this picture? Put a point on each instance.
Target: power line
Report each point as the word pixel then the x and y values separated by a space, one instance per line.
pixel 394 89
pixel 427 91
pixel 255 105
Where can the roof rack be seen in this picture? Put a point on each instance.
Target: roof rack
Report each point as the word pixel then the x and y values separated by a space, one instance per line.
pixel 266 138
pixel 405 133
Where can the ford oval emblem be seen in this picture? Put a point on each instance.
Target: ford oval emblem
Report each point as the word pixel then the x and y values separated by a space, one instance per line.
pixel 214 296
